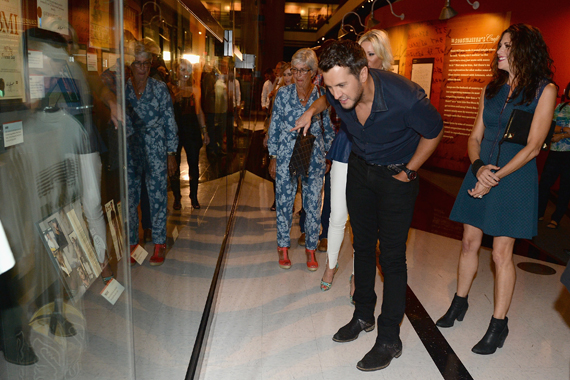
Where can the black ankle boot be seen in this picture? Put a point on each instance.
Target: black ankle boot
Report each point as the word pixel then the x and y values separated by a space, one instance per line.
pixel 494 337
pixel 457 311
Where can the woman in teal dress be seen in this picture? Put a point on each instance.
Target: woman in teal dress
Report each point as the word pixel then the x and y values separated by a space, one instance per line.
pixel 500 198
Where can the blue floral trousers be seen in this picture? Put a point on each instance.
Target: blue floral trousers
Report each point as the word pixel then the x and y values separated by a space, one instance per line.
pixel 146 155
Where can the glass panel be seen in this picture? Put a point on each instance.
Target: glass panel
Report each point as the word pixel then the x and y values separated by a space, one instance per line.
pixel 65 307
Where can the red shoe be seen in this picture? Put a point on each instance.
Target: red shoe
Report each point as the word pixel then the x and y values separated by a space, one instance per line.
pixel 159 253
pixel 133 247
pixel 284 263
pixel 312 264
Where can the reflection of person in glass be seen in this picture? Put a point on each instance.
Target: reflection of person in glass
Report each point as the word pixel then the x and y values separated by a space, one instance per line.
pixel 152 142
pixel 191 128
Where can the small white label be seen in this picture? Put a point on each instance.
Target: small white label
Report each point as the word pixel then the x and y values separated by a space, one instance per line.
pixel 112 291
pixel 139 254
pixel 37 87
pixel 13 133
pixel 35 59
pixel 91 62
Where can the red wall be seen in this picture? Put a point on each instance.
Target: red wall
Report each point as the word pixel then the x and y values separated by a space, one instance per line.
pixel 552 17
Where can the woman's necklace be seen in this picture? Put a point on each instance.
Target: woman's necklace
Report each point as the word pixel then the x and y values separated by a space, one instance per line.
pixel 306 95
pixel 137 88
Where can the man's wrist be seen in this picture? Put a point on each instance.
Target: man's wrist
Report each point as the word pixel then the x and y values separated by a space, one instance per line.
pixel 272 156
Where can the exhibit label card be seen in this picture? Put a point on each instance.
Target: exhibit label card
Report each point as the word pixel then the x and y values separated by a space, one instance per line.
pixel 175 233
pixel 139 254
pixel 112 291
pixel 37 87
pixel 91 62
pixel 35 59
pixel 13 133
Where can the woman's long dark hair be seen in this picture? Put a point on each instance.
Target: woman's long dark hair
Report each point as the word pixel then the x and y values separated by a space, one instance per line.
pixel 529 61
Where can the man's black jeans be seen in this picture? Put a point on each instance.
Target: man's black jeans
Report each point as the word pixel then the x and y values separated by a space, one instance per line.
pixel 380 208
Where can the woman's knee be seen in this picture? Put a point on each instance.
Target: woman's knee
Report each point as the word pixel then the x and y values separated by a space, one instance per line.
pixel 471 241
pixel 503 251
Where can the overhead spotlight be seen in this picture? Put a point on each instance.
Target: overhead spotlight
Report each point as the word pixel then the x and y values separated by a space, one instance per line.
pixel 475 4
pixel 401 17
pixel 372 22
pixel 447 12
pixel 342 31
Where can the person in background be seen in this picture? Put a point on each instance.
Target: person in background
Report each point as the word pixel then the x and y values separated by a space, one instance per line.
pixel 290 102
pixel 192 131
pixel 286 80
pixel 522 80
pixel 208 105
pixel 557 164
pixel 278 74
pixel 267 88
pixel 152 142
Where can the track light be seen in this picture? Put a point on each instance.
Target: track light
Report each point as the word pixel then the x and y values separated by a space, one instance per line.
pixel 475 4
pixel 342 31
pixel 447 12
pixel 371 23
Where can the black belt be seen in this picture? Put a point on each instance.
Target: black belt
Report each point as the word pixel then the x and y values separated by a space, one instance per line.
pixel 396 168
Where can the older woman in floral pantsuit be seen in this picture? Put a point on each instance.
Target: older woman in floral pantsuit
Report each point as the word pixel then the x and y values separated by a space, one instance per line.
pixel 152 140
pixel 290 103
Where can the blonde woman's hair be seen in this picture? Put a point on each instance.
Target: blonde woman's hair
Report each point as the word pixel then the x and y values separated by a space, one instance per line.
pixel 284 66
pixel 381 45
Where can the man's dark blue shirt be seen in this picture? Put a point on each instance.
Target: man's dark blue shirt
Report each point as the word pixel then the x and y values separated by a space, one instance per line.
pixel 401 114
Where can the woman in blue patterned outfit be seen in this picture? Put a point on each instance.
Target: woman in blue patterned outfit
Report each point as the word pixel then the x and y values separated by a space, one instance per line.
pixel 290 103
pixel 502 200
pixel 152 140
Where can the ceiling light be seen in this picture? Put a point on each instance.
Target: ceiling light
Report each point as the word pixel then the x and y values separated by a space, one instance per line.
pixel 475 4
pixel 447 12
pixel 342 31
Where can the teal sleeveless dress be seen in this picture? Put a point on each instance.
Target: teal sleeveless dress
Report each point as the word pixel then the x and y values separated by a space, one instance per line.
pixel 510 208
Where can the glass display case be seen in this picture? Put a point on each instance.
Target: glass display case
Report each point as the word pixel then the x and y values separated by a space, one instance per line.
pixel 71 111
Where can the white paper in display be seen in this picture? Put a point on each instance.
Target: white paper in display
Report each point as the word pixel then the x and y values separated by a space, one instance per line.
pixel 13 133
pixel 91 62
pixel 35 59
pixel 37 88
pixel 139 254
pixel 112 291
pixel 6 257
pixel 11 26
pixel 50 11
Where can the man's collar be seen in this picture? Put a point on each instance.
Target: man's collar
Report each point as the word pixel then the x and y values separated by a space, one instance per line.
pixel 379 104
